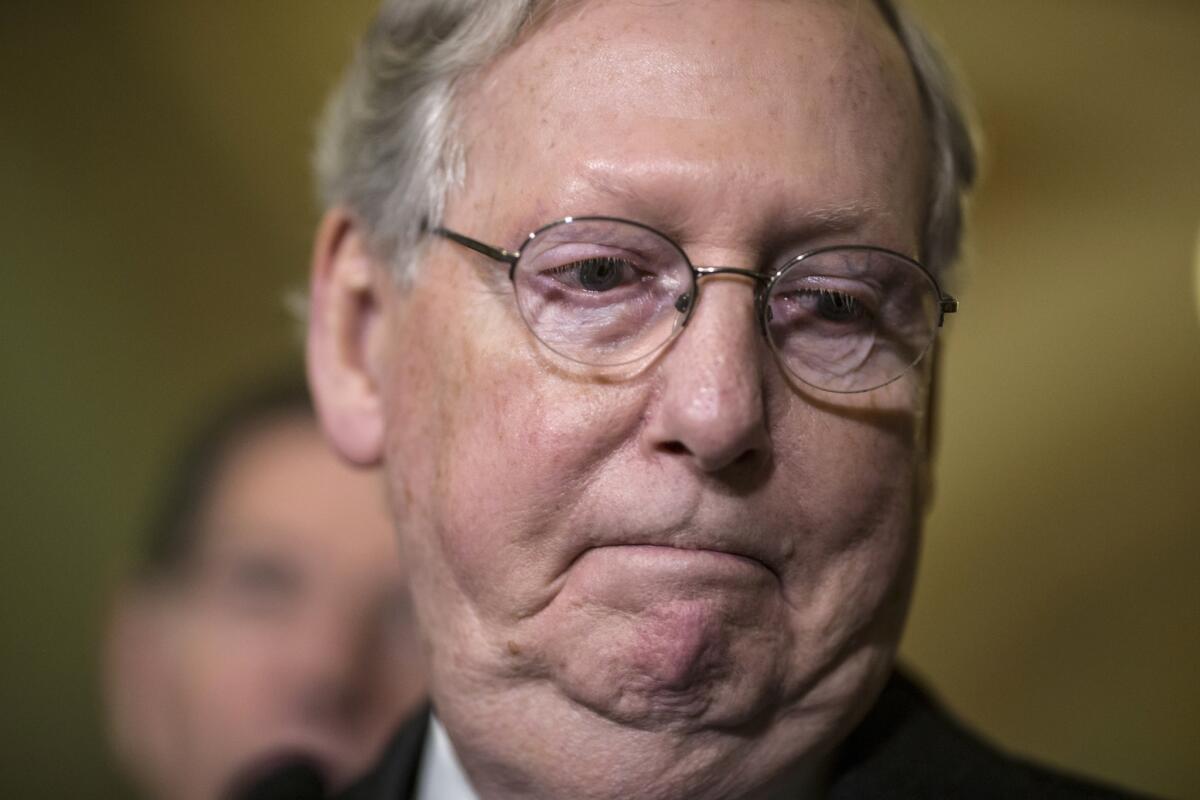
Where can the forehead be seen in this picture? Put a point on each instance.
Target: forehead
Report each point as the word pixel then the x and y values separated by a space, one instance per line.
pixel 802 103
pixel 705 52
pixel 283 490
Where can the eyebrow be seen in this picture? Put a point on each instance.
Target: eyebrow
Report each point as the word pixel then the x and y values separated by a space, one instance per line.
pixel 661 200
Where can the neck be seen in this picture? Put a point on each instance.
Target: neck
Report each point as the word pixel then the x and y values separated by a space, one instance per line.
pixel 522 749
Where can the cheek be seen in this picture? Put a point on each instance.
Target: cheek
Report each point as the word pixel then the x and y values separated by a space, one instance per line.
pixel 489 448
pixel 451 428
pixel 228 679
pixel 221 699
pixel 851 473
pixel 845 457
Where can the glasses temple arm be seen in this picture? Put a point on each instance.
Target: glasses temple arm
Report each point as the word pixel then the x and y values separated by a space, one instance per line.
pixel 494 253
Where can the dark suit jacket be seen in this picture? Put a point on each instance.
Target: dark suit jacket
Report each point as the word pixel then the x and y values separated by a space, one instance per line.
pixel 906 748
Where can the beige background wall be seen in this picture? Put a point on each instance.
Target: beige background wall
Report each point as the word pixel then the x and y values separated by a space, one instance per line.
pixel 154 200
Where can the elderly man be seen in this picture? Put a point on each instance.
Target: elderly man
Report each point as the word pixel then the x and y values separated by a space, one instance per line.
pixel 267 642
pixel 638 304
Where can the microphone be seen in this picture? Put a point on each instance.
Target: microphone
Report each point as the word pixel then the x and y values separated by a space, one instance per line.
pixel 295 779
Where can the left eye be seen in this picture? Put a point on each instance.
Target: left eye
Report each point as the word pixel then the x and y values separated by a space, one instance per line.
pixel 838 306
pixel 599 274
pixel 835 310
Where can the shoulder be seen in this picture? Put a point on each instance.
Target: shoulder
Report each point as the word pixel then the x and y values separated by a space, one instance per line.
pixel 908 746
pixel 394 775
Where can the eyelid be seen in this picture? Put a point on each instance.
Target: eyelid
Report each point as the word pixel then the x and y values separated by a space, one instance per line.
pixel 861 274
pixel 867 294
pixel 822 281
pixel 578 262
pixel 600 250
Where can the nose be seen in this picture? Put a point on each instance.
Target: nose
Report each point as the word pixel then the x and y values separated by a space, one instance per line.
pixel 710 409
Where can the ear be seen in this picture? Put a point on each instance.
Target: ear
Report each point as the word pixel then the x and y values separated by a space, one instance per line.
pixel 345 329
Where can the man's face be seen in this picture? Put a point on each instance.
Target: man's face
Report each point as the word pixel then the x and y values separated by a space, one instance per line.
pixel 291 633
pixel 694 568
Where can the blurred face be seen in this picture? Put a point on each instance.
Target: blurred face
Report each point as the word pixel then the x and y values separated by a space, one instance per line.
pixel 692 568
pixel 292 632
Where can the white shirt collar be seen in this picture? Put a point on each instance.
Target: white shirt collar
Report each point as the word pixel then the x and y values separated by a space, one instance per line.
pixel 441 776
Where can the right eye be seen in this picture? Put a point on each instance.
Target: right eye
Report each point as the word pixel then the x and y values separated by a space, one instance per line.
pixel 259 584
pixel 598 274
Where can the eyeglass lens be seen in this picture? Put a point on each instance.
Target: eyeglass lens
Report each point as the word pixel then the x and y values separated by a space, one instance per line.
pixel 609 292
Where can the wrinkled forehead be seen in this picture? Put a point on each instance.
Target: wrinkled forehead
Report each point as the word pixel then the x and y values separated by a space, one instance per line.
pixel 814 77
pixel 590 45
pixel 714 39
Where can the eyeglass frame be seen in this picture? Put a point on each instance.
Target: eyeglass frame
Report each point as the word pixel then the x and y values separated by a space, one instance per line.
pixel 947 304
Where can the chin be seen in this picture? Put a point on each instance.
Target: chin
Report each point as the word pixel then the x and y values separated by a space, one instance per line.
pixel 711 662
pixel 676 666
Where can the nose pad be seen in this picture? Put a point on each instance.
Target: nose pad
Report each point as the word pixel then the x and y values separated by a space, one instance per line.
pixel 686 301
pixel 683 304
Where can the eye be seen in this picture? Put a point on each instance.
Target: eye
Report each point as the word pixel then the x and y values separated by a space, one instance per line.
pixel 259 576
pixel 838 306
pixel 806 305
pixel 599 274
pixel 256 583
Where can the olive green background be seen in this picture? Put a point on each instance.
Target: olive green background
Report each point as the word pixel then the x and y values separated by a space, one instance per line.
pixel 155 201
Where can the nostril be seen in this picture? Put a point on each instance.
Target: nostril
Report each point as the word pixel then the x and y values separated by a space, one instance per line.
pixel 676 448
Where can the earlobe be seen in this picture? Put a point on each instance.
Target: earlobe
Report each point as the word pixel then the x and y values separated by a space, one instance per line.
pixel 344 328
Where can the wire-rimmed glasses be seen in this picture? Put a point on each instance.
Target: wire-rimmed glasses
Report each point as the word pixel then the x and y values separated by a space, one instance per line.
pixel 606 292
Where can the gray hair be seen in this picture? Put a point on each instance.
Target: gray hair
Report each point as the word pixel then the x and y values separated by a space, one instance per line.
pixel 387 150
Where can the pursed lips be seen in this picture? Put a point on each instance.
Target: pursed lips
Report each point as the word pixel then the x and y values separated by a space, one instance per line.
pixel 684 545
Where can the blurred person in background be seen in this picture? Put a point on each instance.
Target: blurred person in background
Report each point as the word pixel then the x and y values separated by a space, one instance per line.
pixel 268 620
